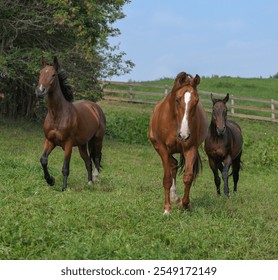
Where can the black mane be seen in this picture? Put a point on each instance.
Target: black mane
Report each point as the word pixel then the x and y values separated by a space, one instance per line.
pixel 65 87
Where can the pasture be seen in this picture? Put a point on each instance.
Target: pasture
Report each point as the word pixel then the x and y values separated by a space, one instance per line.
pixel 121 217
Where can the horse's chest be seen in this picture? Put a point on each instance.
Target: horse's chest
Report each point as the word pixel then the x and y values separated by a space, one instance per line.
pixel 218 152
pixel 56 136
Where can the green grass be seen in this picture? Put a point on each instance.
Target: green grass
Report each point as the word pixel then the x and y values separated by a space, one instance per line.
pixel 248 87
pixel 121 218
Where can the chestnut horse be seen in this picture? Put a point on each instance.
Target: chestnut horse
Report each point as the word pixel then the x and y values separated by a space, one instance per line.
pixel 69 124
pixel 223 145
pixel 179 125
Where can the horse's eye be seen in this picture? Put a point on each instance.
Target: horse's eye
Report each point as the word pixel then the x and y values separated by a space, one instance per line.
pixel 178 101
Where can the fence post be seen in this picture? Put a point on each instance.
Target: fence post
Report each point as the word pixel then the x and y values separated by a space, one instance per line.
pixel 166 90
pixel 130 93
pixel 272 110
pixel 232 104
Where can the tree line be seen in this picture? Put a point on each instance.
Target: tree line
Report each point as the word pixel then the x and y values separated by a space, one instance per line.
pixel 76 32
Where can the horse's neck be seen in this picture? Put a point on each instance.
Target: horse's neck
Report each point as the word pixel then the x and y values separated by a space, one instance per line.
pixel 57 104
pixel 212 128
pixel 171 99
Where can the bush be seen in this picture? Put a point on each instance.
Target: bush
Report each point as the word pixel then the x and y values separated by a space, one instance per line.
pixel 129 127
pixel 267 154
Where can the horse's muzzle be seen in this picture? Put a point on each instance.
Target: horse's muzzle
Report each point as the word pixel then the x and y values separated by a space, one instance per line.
pixel 40 91
pixel 183 138
pixel 221 131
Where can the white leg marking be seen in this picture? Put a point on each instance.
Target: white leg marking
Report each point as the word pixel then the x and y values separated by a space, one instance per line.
pixel 95 176
pixel 184 131
pixel 173 192
pixel 166 212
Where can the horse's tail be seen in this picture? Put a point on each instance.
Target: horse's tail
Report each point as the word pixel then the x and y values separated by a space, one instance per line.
pixel 95 154
pixel 197 166
pixel 95 144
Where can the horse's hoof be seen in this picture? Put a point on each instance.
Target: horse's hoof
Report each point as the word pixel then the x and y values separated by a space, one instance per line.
pixel 95 180
pixel 90 183
pixel 51 181
pixel 228 194
pixel 64 189
pixel 166 212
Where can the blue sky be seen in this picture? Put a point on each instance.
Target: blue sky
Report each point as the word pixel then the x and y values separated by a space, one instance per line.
pixel 205 37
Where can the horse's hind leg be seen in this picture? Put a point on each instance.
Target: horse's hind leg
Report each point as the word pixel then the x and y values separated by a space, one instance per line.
pixel 66 165
pixel 95 147
pixel 48 148
pixel 217 180
pixel 173 192
pixel 236 168
pixel 87 160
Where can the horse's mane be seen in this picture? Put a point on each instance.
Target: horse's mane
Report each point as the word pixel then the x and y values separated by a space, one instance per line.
pixel 181 80
pixel 65 87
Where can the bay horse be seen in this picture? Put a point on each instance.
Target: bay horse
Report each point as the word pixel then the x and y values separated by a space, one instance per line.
pixel 223 145
pixel 179 125
pixel 69 124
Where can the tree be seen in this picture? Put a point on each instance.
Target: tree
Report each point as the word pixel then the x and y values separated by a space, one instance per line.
pixel 75 31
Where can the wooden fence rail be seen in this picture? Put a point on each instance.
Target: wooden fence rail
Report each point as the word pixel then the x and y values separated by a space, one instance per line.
pixel 242 107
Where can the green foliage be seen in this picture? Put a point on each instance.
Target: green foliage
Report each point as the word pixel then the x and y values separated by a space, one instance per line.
pixel 75 31
pixel 128 127
pixel 268 152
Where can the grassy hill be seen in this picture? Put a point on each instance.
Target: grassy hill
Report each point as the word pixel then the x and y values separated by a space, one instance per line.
pixel 248 87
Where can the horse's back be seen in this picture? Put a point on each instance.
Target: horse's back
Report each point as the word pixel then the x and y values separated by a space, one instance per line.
pixel 90 118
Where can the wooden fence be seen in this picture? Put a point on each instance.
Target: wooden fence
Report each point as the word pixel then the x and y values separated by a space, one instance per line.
pixel 242 107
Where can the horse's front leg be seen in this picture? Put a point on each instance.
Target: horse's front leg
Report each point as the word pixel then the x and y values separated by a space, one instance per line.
pixel 213 167
pixel 48 148
pixel 66 165
pixel 225 174
pixel 191 157
pixel 167 179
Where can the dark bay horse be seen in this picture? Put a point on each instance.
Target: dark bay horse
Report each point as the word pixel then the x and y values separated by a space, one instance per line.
pixel 69 124
pixel 179 125
pixel 223 145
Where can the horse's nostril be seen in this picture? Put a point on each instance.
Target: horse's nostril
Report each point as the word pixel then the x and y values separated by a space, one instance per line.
pixel 183 138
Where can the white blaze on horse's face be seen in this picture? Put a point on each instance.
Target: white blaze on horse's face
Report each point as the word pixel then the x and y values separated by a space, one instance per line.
pixel 184 132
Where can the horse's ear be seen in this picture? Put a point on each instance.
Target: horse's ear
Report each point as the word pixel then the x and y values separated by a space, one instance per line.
pixel 56 63
pixel 181 78
pixel 225 100
pixel 212 99
pixel 44 63
pixel 197 80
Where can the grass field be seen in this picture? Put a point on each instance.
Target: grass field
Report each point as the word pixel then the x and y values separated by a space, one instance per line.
pixel 121 217
pixel 249 87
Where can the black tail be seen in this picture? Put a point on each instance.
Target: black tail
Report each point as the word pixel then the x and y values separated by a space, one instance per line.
pixel 197 167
